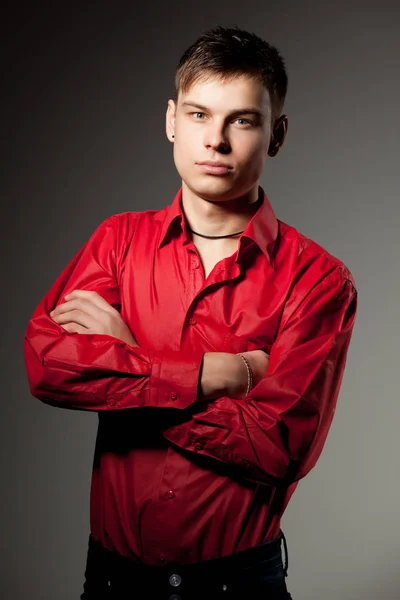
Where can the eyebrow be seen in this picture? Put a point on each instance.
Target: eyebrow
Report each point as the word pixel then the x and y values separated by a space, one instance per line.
pixel 247 110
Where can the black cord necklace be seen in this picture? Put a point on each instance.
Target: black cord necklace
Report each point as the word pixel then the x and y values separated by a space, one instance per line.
pixel 215 237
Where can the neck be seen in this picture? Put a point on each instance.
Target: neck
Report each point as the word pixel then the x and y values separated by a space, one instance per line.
pixel 218 217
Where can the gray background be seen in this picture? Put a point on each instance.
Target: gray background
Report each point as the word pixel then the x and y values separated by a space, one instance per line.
pixel 84 138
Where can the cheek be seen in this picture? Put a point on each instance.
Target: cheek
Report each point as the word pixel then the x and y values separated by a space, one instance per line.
pixel 180 153
pixel 187 142
pixel 253 155
pixel 182 158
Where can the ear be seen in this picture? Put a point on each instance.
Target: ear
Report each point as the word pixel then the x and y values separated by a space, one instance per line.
pixel 170 120
pixel 278 135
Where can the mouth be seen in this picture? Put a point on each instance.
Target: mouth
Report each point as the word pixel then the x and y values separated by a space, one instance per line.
pixel 214 167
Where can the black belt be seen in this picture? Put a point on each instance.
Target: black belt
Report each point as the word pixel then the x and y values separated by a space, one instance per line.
pixel 109 575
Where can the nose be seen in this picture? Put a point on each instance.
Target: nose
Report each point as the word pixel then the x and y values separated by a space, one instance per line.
pixel 216 139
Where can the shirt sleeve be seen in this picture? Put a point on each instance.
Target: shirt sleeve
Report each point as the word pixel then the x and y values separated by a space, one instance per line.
pixel 95 371
pixel 276 434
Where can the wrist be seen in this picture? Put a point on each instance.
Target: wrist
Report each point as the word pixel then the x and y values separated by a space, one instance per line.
pixel 250 376
pixel 236 381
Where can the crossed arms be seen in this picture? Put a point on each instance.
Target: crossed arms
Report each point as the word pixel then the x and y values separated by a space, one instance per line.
pixel 273 435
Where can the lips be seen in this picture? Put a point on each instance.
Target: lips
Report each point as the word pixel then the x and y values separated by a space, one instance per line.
pixel 215 163
pixel 215 168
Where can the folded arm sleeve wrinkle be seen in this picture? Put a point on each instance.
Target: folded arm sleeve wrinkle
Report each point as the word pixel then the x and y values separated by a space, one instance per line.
pixel 99 372
pixel 276 434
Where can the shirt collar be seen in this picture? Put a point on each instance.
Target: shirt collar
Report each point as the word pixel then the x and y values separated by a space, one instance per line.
pixel 262 229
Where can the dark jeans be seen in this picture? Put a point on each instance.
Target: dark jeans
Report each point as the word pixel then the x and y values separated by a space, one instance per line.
pixel 254 574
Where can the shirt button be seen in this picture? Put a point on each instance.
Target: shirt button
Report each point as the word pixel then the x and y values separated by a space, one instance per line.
pixel 173 396
pixel 198 446
pixel 175 580
pixel 112 402
pixel 192 321
pixel 162 557
pixel 171 494
pixel 196 264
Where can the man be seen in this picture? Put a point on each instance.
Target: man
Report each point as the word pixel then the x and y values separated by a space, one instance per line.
pixel 211 338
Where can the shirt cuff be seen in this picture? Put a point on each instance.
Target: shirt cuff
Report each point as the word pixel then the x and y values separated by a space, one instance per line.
pixel 174 378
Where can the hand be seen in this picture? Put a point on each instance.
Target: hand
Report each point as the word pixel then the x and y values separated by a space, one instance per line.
pixel 87 312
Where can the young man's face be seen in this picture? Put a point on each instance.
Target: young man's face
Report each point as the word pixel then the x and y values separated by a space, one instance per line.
pixel 213 122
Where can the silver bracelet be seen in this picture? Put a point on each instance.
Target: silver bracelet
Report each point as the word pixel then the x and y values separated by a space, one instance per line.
pixel 249 374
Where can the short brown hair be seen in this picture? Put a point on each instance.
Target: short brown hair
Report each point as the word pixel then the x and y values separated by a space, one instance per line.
pixel 225 53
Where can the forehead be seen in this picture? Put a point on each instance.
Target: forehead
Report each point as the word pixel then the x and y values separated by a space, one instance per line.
pixel 228 94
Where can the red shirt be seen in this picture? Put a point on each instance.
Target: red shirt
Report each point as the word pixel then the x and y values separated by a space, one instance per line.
pixel 175 479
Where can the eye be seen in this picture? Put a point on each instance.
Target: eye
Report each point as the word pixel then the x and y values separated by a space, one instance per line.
pixel 197 113
pixel 243 121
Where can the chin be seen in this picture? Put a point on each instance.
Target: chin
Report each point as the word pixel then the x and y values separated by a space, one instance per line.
pixel 215 188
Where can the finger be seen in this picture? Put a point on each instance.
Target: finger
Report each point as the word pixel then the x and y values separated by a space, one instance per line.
pixel 75 316
pixel 92 297
pixel 78 304
pixel 74 328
